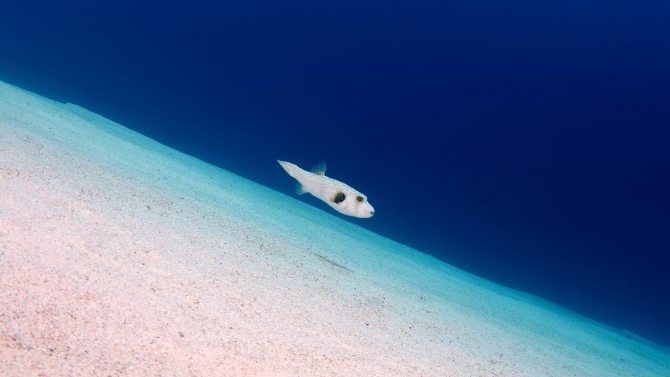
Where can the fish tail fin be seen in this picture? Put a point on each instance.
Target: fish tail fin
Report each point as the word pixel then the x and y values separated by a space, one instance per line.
pixel 294 171
pixel 290 168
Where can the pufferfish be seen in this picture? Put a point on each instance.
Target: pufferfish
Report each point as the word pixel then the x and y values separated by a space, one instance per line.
pixel 343 198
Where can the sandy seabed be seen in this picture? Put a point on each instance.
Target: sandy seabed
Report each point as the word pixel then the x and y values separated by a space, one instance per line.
pixel 122 257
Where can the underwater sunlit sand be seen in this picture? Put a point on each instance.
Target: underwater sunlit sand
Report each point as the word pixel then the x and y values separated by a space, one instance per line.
pixel 120 256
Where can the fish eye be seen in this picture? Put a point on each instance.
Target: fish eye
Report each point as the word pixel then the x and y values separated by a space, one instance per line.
pixel 360 199
pixel 339 197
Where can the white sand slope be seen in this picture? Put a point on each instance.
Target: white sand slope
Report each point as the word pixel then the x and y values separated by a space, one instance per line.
pixel 120 256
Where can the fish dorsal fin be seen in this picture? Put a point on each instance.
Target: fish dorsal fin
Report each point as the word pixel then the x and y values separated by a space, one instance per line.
pixel 319 169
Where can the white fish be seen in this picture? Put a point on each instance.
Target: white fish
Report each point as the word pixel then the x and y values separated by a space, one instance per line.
pixel 343 198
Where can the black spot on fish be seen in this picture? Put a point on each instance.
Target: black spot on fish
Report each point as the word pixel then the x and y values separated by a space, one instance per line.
pixel 339 197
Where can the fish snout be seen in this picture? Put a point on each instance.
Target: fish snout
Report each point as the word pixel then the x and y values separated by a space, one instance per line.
pixel 369 211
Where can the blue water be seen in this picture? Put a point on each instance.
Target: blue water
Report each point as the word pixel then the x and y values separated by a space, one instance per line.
pixel 525 143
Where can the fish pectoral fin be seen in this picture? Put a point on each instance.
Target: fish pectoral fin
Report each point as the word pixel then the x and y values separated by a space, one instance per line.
pixel 319 169
pixel 338 197
pixel 300 189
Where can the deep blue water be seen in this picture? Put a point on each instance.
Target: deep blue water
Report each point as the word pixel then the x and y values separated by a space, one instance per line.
pixel 528 144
